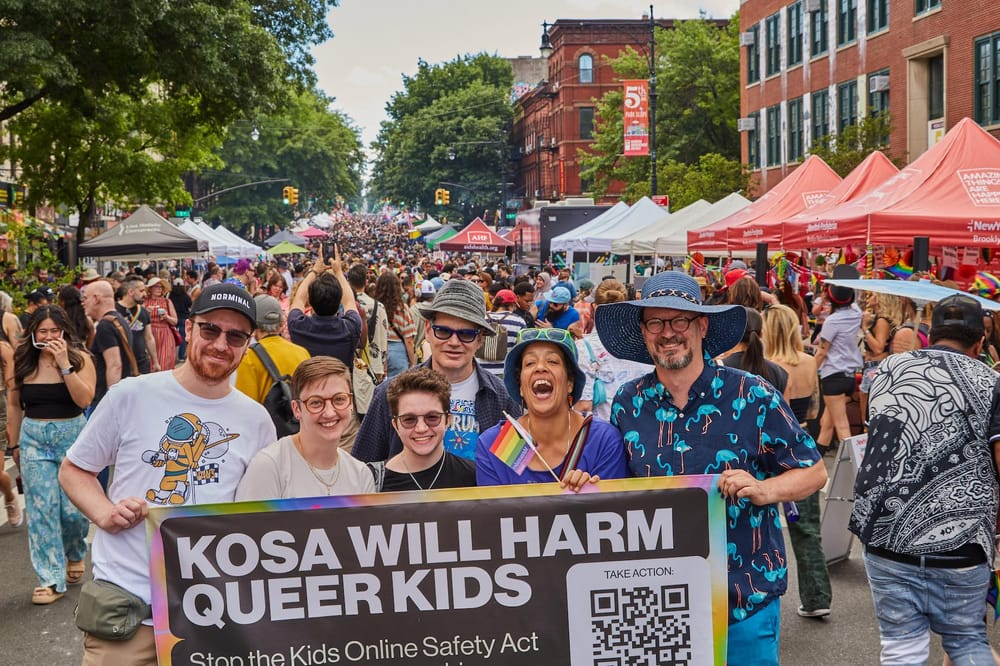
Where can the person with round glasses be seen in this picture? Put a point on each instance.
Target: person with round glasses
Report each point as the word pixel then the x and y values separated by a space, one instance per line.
pixel 311 463
pixel 420 400
pixel 543 374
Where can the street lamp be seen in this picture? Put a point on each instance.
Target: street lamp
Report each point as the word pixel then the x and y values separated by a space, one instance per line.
pixel 545 48
pixel 652 103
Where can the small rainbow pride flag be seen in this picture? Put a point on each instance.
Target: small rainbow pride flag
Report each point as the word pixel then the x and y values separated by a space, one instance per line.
pixel 512 447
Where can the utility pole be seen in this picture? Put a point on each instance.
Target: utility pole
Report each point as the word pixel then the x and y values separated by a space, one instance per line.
pixel 652 103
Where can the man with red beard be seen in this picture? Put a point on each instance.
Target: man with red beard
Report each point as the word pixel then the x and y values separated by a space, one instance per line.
pixel 178 437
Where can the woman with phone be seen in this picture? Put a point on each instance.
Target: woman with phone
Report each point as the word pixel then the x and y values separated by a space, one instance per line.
pixel 54 381
pixel 162 319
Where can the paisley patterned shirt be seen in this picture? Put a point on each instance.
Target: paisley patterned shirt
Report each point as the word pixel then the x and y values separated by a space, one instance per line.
pixel 732 420
pixel 927 483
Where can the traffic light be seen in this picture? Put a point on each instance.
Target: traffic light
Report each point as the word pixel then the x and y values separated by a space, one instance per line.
pixel 293 196
pixel 445 197
pixel 439 197
pixel 286 194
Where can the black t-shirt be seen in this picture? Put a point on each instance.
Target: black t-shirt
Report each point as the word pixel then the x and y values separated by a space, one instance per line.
pixel 528 318
pixel 137 319
pixel 775 374
pixel 106 336
pixel 456 472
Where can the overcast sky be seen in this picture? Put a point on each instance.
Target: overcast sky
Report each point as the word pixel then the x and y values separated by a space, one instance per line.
pixel 376 42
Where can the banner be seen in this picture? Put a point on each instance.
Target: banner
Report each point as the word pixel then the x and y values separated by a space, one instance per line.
pixel 636 117
pixel 634 571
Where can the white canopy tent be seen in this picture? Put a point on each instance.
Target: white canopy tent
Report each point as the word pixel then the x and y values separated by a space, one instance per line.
pixel 216 246
pixel 428 225
pixel 674 244
pixel 644 241
pixel 564 241
pixel 643 214
pixel 247 249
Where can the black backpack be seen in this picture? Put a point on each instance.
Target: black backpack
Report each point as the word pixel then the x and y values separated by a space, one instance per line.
pixel 278 401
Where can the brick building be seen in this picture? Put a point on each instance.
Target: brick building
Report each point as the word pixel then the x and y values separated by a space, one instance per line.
pixel 556 119
pixel 811 67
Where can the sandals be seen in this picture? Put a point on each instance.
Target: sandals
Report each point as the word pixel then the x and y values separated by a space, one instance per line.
pixel 42 596
pixel 14 516
pixel 74 572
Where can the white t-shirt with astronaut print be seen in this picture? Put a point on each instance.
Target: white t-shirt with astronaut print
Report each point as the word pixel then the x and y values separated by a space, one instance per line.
pixel 169 447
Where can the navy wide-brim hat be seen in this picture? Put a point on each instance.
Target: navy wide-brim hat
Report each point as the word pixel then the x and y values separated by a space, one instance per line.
pixel 620 329
pixel 512 363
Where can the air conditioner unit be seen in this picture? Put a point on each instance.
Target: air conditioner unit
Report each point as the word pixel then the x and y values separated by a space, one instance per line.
pixel 552 143
pixel 746 124
pixel 746 39
pixel 812 5
pixel 878 83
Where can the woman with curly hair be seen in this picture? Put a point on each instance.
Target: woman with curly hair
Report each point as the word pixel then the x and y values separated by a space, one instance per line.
pixel 402 330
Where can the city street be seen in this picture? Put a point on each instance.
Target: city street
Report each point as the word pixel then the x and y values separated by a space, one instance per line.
pixel 47 635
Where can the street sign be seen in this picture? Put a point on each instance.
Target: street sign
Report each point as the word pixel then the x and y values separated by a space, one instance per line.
pixel 182 212
pixel 661 200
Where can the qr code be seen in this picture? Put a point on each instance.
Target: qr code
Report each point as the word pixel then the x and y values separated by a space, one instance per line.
pixel 641 625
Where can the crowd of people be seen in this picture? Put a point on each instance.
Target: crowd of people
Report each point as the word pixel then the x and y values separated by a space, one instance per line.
pixel 399 370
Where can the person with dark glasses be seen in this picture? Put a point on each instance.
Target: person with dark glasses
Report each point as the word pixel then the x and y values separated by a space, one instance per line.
pixel 311 463
pixel 420 400
pixel 542 373
pixel 454 326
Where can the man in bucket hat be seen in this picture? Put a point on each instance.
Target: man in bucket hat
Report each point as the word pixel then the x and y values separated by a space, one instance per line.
pixel 694 416
pixel 454 325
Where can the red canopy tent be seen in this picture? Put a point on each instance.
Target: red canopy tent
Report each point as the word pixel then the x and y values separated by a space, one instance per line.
pixel 802 189
pixel 951 194
pixel 808 229
pixel 476 237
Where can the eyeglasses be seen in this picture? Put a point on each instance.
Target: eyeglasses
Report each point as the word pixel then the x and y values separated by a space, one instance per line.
pixel 464 334
pixel 547 334
pixel 677 324
pixel 476 280
pixel 234 338
pixel 409 421
pixel 316 404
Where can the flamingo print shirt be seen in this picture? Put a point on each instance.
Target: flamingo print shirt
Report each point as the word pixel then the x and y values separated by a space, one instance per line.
pixel 732 420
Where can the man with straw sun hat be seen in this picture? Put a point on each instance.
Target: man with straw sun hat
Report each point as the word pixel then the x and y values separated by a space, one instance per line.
pixel 693 416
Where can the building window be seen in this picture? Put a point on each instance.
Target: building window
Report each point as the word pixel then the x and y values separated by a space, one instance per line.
pixel 794 34
pixel 753 142
pixel 818 29
pixel 924 6
pixel 987 68
pixel 878 15
pixel 820 114
pixel 772 48
pixel 935 85
pixel 878 93
pixel 586 65
pixel 847 20
pixel 847 105
pixel 586 122
pixel 795 134
pixel 753 55
pixel 774 136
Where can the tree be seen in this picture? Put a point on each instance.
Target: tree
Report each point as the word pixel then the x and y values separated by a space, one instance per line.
pixel 316 149
pixel 697 73
pixel 712 178
pixel 450 124
pixel 855 142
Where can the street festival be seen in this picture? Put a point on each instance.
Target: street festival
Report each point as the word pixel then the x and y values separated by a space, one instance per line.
pixel 497 397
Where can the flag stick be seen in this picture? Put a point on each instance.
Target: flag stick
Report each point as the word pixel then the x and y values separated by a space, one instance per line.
pixel 527 438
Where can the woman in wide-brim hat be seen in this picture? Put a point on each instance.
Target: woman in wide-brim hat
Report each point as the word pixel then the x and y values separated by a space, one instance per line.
pixel 542 373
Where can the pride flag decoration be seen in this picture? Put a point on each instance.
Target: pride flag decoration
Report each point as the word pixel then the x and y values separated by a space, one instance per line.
pixel 512 448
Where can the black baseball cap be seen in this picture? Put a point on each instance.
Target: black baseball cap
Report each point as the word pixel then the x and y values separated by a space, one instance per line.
pixel 958 310
pixel 226 296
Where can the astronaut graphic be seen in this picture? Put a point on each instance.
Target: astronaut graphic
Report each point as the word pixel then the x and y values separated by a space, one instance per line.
pixel 185 444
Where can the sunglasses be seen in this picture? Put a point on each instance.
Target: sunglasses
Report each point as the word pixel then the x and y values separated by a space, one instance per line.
pixel 316 404
pixel 234 338
pixel 464 334
pixel 547 334
pixel 409 421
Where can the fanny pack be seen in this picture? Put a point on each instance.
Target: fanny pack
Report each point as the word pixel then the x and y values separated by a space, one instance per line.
pixel 110 612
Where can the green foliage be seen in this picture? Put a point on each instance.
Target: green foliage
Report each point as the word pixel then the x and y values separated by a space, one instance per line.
pixel 459 107
pixel 697 73
pixel 34 250
pixel 855 143
pixel 712 178
pixel 317 149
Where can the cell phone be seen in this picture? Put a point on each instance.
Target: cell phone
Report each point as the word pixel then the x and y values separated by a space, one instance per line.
pixel 329 249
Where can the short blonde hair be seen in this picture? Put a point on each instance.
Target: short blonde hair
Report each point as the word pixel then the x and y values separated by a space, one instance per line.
pixel 317 369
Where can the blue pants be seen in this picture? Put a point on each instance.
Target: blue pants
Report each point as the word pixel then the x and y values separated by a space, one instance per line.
pixel 57 531
pixel 912 600
pixel 754 641
pixel 397 360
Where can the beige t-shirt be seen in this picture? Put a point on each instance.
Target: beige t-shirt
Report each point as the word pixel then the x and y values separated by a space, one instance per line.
pixel 279 471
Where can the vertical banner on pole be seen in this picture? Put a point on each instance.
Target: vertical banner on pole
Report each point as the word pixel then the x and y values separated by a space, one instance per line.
pixel 636 117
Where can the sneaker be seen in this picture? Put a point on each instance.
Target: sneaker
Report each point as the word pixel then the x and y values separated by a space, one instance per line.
pixel 814 613
pixel 14 515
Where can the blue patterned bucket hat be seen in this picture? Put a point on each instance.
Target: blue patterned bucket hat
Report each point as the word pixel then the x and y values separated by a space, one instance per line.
pixel 529 336
pixel 620 329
